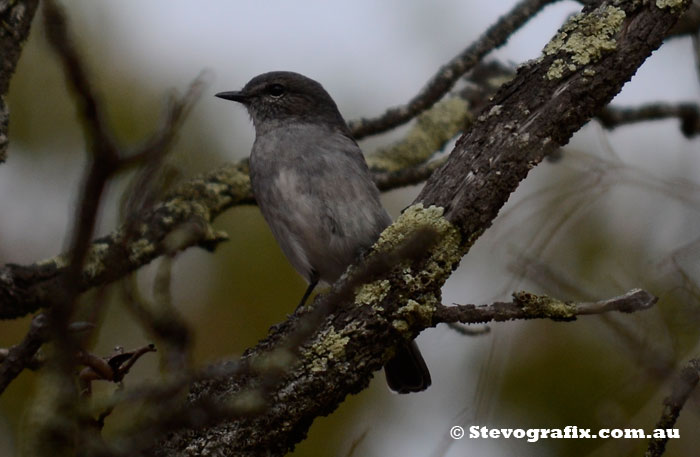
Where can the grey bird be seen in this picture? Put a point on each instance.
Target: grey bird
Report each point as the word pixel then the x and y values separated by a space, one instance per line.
pixel 315 191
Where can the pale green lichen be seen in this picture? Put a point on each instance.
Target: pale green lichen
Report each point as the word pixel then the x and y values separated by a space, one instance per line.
pixel 445 252
pixel 330 345
pixel 210 193
pixel 543 306
pixel 218 187
pixel 318 364
pixel 94 259
pixel 237 179
pixel 60 261
pixel 413 313
pixel 411 307
pixel 431 131
pixel 140 249
pixel 372 293
pixel 661 4
pixel 400 325
pixel 182 208
pixel 93 264
pixel 418 217
pixel 199 199
pixel 585 37
pixel 556 70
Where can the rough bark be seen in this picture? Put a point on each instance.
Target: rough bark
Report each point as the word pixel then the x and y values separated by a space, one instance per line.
pixel 582 68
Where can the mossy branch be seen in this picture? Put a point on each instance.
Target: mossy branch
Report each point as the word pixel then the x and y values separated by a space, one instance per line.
pixel 529 117
pixel 186 214
pixel 526 305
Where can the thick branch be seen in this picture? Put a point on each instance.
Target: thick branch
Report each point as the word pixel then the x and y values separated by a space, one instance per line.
pixel 582 68
pixel 204 197
pixel 402 164
pixel 23 288
pixel 535 113
pixel 689 23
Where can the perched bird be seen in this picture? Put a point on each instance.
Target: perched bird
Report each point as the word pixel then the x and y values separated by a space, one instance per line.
pixel 315 191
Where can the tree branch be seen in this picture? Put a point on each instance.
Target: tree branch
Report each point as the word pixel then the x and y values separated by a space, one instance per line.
pixel 191 206
pixel 22 355
pixel 530 306
pixel 197 202
pixel 689 23
pixel 538 111
pixel 450 73
pixel 23 289
pixel 687 113
pixel 533 114
pixel 682 388
pixel 15 19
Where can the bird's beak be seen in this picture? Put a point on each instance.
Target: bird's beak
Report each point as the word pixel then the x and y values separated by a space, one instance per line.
pixel 236 96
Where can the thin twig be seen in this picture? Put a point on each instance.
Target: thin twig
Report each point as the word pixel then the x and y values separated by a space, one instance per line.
pixel 531 306
pixel 103 163
pixel 106 159
pixel 176 111
pixel 101 142
pixel 26 356
pixel 22 355
pixel 450 73
pixel 687 113
pixel 161 318
pixel 673 404
pixel 112 368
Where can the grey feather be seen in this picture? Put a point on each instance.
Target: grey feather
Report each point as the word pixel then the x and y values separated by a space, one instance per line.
pixel 316 194
pixel 315 191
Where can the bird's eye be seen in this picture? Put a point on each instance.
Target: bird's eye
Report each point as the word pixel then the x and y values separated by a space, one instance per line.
pixel 276 90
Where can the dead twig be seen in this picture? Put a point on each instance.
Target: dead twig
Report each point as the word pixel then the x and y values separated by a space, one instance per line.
pixel 673 404
pixel 530 306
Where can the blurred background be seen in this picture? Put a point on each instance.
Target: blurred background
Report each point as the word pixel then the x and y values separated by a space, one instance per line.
pixel 619 210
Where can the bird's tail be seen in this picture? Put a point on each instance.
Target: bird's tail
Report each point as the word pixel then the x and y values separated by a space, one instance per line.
pixel 407 371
